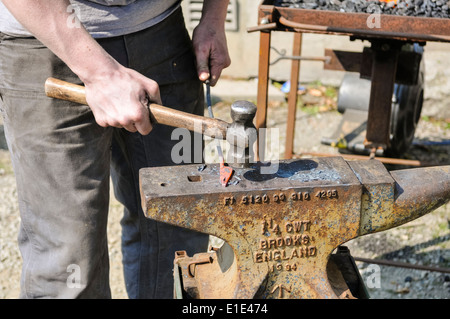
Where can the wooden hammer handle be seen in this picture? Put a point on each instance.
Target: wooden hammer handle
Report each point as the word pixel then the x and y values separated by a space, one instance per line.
pixel 158 114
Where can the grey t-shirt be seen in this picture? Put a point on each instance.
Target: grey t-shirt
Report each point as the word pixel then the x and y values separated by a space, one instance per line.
pixel 103 18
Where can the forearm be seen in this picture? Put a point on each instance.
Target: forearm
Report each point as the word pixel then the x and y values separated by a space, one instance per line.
pixel 118 96
pixel 214 12
pixel 51 22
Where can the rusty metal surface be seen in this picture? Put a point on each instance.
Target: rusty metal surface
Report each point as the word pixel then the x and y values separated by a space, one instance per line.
pixel 278 225
pixel 355 24
pixel 361 62
pixel 384 68
pixel 343 61
pixel 385 160
pixel 392 30
pixel 419 191
pixel 263 79
pixel 263 90
pixel 281 227
pixel 219 274
pixel 292 97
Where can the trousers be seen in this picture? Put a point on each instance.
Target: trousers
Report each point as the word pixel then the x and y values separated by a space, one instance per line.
pixel 64 164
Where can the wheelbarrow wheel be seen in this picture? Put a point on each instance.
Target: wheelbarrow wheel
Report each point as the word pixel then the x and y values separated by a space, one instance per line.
pixel 406 112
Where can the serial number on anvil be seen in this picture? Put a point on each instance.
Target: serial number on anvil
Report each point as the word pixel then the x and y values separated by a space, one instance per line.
pixel 280 197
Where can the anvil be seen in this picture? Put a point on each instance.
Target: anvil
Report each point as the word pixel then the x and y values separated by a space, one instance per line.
pixel 282 227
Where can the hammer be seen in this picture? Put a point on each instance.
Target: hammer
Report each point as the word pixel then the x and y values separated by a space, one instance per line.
pixel 239 133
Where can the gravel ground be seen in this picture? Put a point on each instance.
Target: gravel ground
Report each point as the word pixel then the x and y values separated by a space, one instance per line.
pixel 425 241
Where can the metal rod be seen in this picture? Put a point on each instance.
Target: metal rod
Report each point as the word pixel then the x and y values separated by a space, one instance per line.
pixel 263 89
pixel 292 98
pixel 401 264
pixel 386 160
pixel 211 115
pixel 301 58
pixel 262 27
pixel 297 56
pixel 263 79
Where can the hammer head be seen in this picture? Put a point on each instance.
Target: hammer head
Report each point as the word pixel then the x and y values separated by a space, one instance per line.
pixel 242 134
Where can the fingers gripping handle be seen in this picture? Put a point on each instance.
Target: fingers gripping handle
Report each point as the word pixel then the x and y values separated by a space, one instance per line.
pixel 62 90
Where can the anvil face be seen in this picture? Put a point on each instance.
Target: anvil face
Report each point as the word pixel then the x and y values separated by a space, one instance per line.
pixel 282 226
pixel 190 180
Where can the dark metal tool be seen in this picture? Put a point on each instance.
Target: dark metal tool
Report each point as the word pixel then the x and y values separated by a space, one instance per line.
pixel 240 133
pixel 280 229
pixel 241 111
pixel 225 171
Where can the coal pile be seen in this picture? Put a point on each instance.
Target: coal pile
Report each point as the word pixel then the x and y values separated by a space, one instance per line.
pixel 416 8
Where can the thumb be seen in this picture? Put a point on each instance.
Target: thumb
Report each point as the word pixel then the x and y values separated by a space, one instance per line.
pixel 203 67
